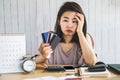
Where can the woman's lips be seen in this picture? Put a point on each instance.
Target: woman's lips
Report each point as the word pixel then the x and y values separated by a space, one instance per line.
pixel 69 31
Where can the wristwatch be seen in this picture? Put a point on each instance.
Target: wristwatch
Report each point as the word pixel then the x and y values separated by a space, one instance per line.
pixel 28 64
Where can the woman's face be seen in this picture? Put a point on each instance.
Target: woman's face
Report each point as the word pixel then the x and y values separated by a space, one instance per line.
pixel 68 23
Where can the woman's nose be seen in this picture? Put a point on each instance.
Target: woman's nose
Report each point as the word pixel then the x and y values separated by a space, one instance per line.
pixel 70 24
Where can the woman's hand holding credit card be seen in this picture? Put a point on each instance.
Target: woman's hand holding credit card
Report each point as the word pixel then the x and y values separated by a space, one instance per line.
pixel 50 40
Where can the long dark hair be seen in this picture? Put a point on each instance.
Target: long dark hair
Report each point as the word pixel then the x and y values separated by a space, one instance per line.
pixel 69 6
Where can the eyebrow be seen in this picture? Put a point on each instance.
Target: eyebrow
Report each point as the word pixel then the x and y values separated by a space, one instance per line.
pixel 68 18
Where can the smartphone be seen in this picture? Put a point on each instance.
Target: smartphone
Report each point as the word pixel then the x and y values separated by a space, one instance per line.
pixel 69 68
pixel 97 68
pixel 55 68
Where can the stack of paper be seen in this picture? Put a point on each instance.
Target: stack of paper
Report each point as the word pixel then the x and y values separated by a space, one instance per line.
pixel 84 72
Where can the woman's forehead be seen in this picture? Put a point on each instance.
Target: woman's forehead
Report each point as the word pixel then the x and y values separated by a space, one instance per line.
pixel 69 14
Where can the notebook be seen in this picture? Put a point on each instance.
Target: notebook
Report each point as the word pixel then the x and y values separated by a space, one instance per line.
pixel 115 67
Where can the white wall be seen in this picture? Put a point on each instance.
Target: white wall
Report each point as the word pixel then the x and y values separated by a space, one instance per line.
pixel 35 16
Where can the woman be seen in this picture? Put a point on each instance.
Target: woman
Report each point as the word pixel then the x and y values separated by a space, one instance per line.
pixel 75 47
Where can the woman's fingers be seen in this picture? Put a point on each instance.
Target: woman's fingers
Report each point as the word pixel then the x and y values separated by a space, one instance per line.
pixel 48 53
pixel 80 16
pixel 80 20
pixel 46 50
pixel 44 45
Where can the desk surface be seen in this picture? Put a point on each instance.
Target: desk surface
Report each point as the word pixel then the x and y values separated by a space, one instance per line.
pixel 41 73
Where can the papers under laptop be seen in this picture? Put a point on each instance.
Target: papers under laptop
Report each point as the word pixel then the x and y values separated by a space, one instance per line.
pixel 115 67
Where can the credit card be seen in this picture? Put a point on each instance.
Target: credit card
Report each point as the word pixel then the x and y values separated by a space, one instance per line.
pixel 45 37
pixel 51 38
pixel 55 42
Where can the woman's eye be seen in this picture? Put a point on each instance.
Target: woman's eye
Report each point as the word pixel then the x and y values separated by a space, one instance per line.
pixel 74 21
pixel 65 20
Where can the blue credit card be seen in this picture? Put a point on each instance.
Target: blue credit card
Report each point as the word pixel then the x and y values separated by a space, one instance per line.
pixel 45 37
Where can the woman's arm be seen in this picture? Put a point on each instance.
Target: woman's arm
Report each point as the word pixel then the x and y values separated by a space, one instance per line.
pixel 40 59
pixel 87 49
pixel 85 42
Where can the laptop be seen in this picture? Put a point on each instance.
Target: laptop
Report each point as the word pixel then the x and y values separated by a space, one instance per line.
pixel 115 67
